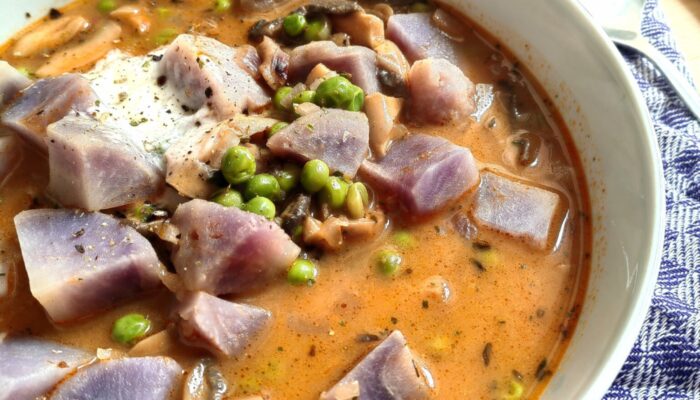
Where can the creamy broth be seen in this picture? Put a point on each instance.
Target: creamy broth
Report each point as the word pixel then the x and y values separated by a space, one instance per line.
pixel 511 309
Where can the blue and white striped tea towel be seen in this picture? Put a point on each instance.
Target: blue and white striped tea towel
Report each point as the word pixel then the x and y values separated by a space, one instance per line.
pixel 665 360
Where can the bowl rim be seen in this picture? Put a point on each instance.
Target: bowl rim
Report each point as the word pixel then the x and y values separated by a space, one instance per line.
pixel 650 260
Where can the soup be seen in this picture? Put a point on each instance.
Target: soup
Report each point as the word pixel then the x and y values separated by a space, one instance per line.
pixel 283 200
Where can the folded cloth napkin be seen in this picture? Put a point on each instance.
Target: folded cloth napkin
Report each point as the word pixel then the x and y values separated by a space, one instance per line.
pixel 665 360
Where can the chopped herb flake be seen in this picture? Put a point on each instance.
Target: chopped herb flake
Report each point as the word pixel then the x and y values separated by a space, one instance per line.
pixel 517 375
pixel 487 353
pixel 542 370
pixel 479 266
pixel 481 245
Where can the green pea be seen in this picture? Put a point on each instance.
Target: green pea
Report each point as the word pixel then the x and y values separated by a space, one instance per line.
pixel 404 239
pixel 339 92
pixel 334 192
pixel 294 24
pixel 314 175
pixel 163 12
pixel 165 36
pixel 388 261
pixel 229 198
pixel 261 206
pixel 276 128
pixel 221 6
pixel 317 29
pixel 302 272
pixel 106 6
pixel 288 176
pixel 515 391
pixel 264 185
pixel 279 96
pixel 306 96
pixel 357 99
pixel 130 327
pixel 238 165
pixel 357 200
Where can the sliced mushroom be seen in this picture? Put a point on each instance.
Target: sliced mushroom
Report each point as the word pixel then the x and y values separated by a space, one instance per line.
pixel 331 7
pixel 370 226
pixel 163 229
pixel 134 16
pixel 294 214
pixel 205 382
pixel 382 112
pixel 275 63
pixel 393 66
pixel 364 29
pixel 450 25
pixel 381 10
pixel 160 343
pixel 327 234
pixel 50 35
pixel 83 54
pixel 525 150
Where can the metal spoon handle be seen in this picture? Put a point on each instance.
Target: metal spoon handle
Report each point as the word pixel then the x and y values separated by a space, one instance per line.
pixel 685 90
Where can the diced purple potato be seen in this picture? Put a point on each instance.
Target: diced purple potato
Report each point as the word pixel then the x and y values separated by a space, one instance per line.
pixel 440 93
pixel 340 138
pixel 142 378
pixel 226 250
pixel 93 166
pixel 45 102
pixel 30 367
pixel 11 83
pixel 517 209
pixel 419 38
pixel 422 173
pixel 220 326
pixel 360 62
pixel 208 72
pixel 388 372
pixel 80 263
pixel 11 155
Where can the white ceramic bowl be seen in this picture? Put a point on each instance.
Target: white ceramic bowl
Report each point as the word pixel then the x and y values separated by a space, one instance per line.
pixel 590 84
